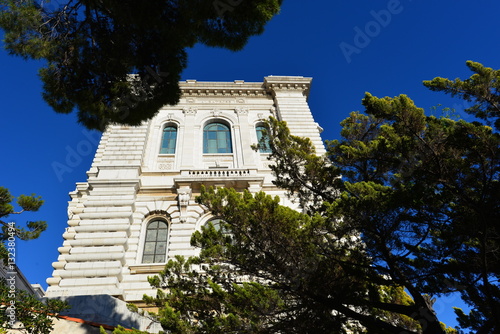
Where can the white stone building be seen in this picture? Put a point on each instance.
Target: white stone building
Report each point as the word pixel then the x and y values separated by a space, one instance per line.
pixel 137 208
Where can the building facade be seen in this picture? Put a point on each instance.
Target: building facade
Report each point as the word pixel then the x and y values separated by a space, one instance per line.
pixel 137 208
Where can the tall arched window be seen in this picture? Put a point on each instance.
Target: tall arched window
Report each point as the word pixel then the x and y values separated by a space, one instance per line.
pixel 263 139
pixel 169 140
pixel 218 225
pixel 217 138
pixel 155 245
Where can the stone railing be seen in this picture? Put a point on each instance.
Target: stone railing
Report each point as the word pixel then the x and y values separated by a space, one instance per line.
pixel 218 173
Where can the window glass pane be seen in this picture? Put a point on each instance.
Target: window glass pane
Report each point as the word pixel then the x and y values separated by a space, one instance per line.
pixel 161 247
pixel 149 248
pixel 216 138
pixel 151 235
pixel 159 258
pixel 155 246
pixel 148 259
pixel 162 235
pixel 216 223
pixel 221 143
pixel 169 140
pixel 263 143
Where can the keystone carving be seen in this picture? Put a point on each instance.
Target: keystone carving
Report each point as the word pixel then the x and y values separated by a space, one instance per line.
pixel 184 195
pixel 216 113
pixel 241 111
pixel 189 111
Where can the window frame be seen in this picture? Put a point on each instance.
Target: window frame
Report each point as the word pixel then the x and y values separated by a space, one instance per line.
pixel 163 139
pixel 155 242
pixel 228 139
pixel 259 134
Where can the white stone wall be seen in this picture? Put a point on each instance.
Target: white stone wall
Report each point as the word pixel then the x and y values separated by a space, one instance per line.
pixel 130 183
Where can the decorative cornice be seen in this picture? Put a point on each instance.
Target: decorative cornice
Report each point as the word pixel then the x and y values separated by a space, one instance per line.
pixel 223 93
pixel 238 88
pixel 284 83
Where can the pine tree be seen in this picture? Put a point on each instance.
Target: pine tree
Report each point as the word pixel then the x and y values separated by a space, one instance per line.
pixel 20 309
pixel 400 211
pixel 121 61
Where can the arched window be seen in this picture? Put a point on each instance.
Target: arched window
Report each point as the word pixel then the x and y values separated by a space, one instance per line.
pixel 263 139
pixel 218 225
pixel 217 138
pixel 155 245
pixel 169 140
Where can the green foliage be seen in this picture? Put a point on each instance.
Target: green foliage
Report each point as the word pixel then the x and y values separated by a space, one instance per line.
pixel 482 89
pixel 119 62
pixel 210 301
pixel 9 229
pixel 403 209
pixel 272 269
pixel 424 194
pixel 35 316
pixel 295 157
pixel 121 330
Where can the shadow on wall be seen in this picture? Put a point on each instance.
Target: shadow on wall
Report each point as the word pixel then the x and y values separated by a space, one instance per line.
pixel 96 310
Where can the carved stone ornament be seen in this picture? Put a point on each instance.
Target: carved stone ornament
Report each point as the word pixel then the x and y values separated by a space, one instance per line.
pixel 189 111
pixel 241 111
pixel 165 166
pixel 216 113
pixel 183 196
pixel 289 86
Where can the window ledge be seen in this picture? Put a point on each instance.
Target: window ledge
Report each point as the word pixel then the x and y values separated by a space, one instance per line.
pixel 147 268
pixel 211 154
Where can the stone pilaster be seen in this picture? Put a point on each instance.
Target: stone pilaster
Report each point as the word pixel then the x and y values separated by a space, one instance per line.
pixel 290 96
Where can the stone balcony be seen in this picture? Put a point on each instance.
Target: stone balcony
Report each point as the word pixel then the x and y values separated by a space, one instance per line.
pixel 219 177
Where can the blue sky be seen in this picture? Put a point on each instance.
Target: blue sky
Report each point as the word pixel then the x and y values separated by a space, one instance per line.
pixel 384 47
